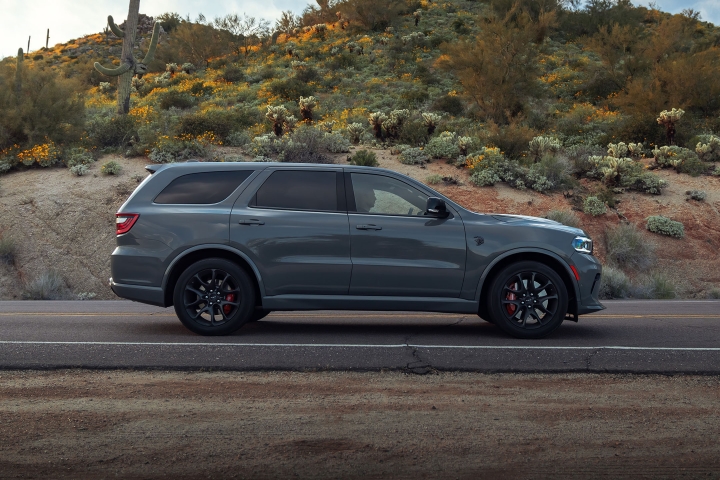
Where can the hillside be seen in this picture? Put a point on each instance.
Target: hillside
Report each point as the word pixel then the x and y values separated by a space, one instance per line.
pixel 609 110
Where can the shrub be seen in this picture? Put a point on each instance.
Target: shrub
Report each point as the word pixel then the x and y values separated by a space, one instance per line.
pixel 8 249
pixel 413 156
pixel 565 217
pixel 115 131
pixel 79 170
pixel 594 206
pixel 485 178
pixel 433 179
pixel 552 172
pixel 78 156
pixel 364 158
pixel 714 294
pixel 199 89
pixel 449 104
pixel 698 195
pixel 443 146
pixel 233 74
pixel 175 99
pixel 613 284
pixel 220 122
pixel 169 150
pixel 655 285
pixel 48 285
pixel 336 143
pixel 681 159
pixel 290 89
pixel 237 139
pixel 665 226
pixel 644 182
pixel 111 168
pixel 627 246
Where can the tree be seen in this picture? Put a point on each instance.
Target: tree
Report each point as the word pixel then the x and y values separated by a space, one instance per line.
pixel 498 69
pixel 197 43
pixel 244 31
pixel 287 22
pixel 371 14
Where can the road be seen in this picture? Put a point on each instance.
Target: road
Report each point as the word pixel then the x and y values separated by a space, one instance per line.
pixel 630 336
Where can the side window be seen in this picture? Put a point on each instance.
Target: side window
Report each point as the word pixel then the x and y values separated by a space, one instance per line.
pixel 385 195
pixel 299 190
pixel 202 188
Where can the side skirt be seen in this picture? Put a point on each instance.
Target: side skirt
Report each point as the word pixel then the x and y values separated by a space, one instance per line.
pixel 351 302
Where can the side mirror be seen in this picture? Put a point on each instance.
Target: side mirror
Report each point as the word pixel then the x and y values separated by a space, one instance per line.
pixel 436 208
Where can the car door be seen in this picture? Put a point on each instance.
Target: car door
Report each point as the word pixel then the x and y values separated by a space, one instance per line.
pixel 395 248
pixel 294 227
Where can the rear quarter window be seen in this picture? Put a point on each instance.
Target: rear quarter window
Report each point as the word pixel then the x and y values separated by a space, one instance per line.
pixel 301 190
pixel 202 188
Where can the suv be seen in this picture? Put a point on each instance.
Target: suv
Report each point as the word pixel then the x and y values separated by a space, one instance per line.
pixel 227 243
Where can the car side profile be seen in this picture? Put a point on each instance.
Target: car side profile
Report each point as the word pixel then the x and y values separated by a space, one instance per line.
pixel 228 243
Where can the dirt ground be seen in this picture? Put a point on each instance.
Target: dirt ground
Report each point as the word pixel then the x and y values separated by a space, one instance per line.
pixel 66 223
pixel 134 424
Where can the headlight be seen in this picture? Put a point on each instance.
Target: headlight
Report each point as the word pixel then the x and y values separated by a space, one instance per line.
pixel 582 244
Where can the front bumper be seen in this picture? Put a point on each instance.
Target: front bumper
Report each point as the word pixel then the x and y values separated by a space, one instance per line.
pixel 589 269
pixel 150 295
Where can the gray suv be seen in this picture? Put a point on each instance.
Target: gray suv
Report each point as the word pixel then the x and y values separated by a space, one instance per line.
pixel 227 243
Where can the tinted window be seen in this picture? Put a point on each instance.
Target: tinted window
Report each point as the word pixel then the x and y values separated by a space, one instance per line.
pixel 299 190
pixel 202 188
pixel 385 195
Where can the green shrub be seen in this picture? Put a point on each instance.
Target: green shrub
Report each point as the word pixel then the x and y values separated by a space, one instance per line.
pixel 627 246
pixel 291 89
pixel 698 195
pixel 175 99
pixel 48 285
pixel 443 146
pixel 485 178
pixel 79 170
pixel 643 182
pixel 714 294
pixel 364 158
pixel 336 143
pixel 114 131
pixel 566 217
pixel 552 172
pixel 233 74
pixel 665 226
pixel 199 89
pixel 111 168
pixel 220 122
pixel 656 286
pixel 169 150
pixel 450 104
pixel 237 139
pixel 413 156
pixel 434 179
pixel 613 284
pixel 78 156
pixel 8 250
pixel 681 159
pixel 594 206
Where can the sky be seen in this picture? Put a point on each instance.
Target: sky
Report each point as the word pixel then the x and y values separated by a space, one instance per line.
pixel 68 19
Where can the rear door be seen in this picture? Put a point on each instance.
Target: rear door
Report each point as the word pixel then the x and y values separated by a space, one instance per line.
pixel 396 249
pixel 294 226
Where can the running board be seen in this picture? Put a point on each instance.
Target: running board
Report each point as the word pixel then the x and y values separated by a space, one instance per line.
pixel 370 303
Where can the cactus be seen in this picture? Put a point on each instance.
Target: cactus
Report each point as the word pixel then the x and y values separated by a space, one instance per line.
pixel 464 144
pixel 710 151
pixel 306 107
pixel 129 67
pixel 540 146
pixel 669 118
pixel 417 15
pixel 377 120
pixel 278 115
pixel 188 68
pixel 18 72
pixel 137 84
pixel 171 68
pixel 431 120
pixel 617 150
pixel 395 121
pixel 355 130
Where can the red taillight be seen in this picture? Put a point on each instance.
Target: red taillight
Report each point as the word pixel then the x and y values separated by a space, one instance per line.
pixel 574 270
pixel 124 222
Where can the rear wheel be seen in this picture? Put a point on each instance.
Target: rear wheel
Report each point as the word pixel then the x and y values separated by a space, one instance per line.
pixel 528 300
pixel 214 297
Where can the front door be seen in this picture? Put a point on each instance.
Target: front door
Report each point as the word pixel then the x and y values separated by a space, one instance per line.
pixel 395 248
pixel 295 230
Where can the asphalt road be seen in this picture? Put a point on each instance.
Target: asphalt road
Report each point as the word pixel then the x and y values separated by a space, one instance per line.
pixel 630 336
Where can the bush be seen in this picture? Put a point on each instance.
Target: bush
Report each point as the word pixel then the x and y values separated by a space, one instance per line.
pixel 175 99
pixel 336 143
pixel 79 170
pixel 644 182
pixel 450 104
pixel 8 249
pixel 291 89
pixel 485 178
pixel 565 217
pixel 49 285
pixel 656 285
pixel 665 226
pixel 414 156
pixel 111 168
pixel 78 156
pixel 364 158
pixel 681 159
pixel 594 206
pixel 199 89
pixel 169 150
pixel 220 122
pixel 613 284
pixel 434 179
pixel 698 195
pixel 237 139
pixel 115 131
pixel 627 246
pixel 443 146
pixel 233 74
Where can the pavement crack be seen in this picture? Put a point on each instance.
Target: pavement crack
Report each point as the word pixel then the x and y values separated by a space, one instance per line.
pixel 418 366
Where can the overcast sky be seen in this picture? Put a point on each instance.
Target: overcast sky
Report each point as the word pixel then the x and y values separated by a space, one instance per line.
pixel 68 19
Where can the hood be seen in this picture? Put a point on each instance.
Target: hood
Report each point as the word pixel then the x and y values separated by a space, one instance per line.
pixel 536 221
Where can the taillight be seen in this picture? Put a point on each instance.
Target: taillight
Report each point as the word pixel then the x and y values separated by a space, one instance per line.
pixel 124 222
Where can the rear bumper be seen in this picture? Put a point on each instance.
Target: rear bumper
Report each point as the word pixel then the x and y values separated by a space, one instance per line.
pixel 137 293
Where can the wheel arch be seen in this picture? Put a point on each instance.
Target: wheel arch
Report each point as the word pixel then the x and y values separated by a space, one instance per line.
pixel 201 252
pixel 551 259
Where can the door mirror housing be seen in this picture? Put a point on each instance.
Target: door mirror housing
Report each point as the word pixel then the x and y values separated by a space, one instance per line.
pixel 436 208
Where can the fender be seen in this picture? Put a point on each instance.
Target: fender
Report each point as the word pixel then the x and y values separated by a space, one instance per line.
pixel 509 253
pixel 214 246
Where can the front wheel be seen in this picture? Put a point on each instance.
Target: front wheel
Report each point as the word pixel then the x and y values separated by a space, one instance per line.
pixel 528 300
pixel 214 297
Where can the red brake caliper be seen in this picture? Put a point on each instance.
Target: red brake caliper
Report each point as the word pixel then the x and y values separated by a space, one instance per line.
pixel 511 296
pixel 230 297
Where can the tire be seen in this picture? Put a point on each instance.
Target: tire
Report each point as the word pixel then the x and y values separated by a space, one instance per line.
pixel 214 297
pixel 528 300
pixel 258 314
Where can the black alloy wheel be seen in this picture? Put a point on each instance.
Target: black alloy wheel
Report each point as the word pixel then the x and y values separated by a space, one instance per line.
pixel 214 297
pixel 528 300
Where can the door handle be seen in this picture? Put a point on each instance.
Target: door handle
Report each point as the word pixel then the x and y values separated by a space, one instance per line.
pixel 368 227
pixel 252 221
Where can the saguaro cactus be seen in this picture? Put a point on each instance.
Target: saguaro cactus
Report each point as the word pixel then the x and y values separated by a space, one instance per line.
pixel 18 72
pixel 129 67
